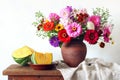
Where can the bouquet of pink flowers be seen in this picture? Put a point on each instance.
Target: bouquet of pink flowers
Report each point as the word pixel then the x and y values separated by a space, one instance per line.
pixel 73 23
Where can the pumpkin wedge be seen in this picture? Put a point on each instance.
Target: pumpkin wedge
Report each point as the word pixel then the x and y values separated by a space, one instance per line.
pixel 48 58
pixel 33 58
pixel 22 55
pixel 41 58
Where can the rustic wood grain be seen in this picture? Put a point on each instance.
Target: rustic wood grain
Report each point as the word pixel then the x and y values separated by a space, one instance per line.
pixel 17 72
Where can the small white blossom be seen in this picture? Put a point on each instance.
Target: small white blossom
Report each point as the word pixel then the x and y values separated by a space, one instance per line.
pixel 90 25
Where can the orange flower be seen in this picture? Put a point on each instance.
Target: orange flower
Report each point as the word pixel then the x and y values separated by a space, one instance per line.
pixel 48 26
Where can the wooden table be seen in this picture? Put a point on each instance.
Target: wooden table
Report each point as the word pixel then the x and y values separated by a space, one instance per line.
pixel 17 72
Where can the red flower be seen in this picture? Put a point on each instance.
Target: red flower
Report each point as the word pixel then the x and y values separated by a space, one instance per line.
pixel 39 27
pixel 82 17
pixel 48 26
pixel 102 44
pixel 91 36
pixel 63 36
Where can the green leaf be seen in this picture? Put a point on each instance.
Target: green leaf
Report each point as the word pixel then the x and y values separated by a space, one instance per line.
pixel 35 23
pixel 38 14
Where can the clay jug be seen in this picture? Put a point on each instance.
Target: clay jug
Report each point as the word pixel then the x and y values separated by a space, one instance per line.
pixel 74 52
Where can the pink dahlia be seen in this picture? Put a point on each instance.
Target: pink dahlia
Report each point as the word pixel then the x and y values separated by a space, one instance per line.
pixel 74 29
pixel 91 36
pixel 95 19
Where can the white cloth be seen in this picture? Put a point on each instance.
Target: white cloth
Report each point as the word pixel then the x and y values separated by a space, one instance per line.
pixel 90 69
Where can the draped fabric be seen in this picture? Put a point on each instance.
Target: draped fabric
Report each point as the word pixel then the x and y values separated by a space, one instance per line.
pixel 90 69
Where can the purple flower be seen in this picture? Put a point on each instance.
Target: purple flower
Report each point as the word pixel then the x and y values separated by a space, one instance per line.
pixel 107 32
pixel 65 12
pixel 54 17
pixel 73 29
pixel 54 41
pixel 96 20
pixel 69 8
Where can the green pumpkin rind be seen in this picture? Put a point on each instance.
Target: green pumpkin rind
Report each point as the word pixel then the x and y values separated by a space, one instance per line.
pixel 22 61
pixel 18 60
pixel 33 58
pixel 22 55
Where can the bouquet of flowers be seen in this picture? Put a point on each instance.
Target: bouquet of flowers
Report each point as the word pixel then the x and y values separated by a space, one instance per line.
pixel 73 23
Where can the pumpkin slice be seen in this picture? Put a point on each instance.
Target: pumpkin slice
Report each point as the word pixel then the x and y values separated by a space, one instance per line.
pixel 42 58
pixel 39 57
pixel 22 55
pixel 33 58
pixel 22 52
pixel 48 58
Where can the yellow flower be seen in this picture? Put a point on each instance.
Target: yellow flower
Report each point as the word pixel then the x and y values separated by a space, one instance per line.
pixel 46 20
pixel 112 42
pixel 59 27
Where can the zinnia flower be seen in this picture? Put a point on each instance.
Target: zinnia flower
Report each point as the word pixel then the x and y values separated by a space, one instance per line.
pixel 63 36
pixel 107 32
pixel 54 41
pixel 82 18
pixel 54 17
pixel 91 36
pixel 96 20
pixel 48 26
pixel 65 12
pixel 59 27
pixel 73 29
pixel 76 24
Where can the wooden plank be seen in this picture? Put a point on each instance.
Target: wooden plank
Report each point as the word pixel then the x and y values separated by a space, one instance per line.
pixel 16 69
pixel 26 77
pixel 50 78
pixel 18 77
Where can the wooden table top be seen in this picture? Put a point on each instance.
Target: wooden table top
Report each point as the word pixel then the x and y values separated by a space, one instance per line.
pixel 16 69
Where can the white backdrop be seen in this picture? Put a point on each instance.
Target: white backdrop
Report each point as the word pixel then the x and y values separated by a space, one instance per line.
pixel 16 29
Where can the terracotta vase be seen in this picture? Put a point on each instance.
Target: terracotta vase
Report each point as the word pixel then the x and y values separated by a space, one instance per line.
pixel 74 52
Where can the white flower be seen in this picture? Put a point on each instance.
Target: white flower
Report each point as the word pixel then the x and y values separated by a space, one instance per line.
pixel 90 25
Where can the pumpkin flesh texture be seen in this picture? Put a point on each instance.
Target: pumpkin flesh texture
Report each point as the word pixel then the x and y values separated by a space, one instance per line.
pixel 22 52
pixel 41 58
